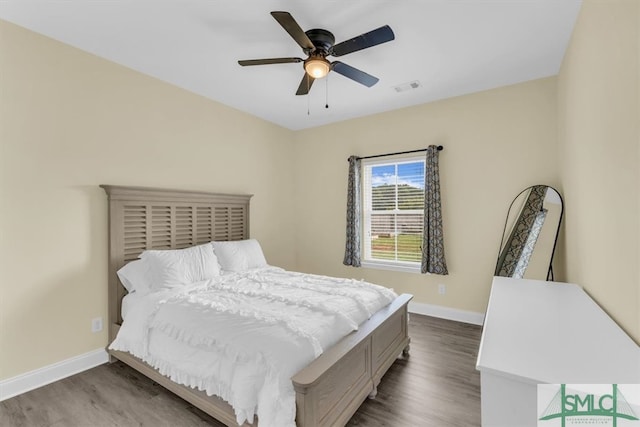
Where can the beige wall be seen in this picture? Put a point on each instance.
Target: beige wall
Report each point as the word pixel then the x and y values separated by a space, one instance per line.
pixel 599 146
pixel 71 121
pixel 496 143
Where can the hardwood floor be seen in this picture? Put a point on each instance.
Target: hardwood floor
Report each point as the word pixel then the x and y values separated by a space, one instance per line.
pixel 437 385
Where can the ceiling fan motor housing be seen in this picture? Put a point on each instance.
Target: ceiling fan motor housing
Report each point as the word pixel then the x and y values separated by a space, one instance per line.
pixel 323 40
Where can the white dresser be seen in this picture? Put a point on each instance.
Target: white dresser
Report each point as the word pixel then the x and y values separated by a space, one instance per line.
pixel 539 332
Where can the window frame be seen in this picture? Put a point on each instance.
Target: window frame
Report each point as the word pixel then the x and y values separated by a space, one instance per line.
pixel 366 214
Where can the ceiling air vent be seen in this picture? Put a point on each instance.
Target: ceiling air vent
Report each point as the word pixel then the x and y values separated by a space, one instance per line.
pixel 407 86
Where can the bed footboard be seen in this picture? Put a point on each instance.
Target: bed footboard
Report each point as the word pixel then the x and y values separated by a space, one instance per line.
pixel 330 390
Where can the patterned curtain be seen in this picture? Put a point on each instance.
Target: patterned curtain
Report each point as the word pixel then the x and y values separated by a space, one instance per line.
pixel 352 247
pixel 515 256
pixel 433 260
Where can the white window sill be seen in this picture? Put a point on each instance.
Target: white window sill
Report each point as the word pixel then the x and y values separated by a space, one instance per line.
pixel 392 266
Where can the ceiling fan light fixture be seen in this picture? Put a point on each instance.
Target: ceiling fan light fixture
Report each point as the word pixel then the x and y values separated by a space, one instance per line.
pixel 317 67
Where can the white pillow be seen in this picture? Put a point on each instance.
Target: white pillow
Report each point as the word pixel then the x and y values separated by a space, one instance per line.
pixel 135 276
pixel 239 255
pixel 171 268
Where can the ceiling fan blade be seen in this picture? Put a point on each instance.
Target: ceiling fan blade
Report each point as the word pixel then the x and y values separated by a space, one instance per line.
pixel 268 61
pixel 291 26
pixel 305 84
pixel 354 74
pixel 363 41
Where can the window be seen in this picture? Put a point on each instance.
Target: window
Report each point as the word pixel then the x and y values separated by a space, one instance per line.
pixel 393 212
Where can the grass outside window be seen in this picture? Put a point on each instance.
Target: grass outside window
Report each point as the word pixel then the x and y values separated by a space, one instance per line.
pixel 402 247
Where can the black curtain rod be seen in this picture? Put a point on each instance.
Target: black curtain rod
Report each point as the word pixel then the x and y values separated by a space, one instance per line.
pixel 440 148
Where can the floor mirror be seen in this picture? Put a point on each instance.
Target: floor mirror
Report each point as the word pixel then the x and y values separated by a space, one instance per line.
pixel 530 234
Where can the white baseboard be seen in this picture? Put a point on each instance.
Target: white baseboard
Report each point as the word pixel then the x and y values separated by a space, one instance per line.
pixel 447 313
pixel 40 377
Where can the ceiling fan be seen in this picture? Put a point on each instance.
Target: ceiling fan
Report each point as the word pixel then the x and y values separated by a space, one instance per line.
pixel 317 44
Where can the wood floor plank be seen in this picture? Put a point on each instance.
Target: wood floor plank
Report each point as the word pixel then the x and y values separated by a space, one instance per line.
pixel 437 385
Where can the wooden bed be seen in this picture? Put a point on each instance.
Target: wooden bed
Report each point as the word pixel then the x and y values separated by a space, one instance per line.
pixel 331 388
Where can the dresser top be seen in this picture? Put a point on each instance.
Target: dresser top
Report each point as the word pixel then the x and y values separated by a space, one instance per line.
pixel 552 332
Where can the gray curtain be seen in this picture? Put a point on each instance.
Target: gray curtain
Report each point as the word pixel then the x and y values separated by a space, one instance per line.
pixel 352 247
pixel 433 260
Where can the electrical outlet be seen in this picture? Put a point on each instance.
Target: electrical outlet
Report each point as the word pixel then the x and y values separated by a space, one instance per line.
pixel 442 289
pixel 96 324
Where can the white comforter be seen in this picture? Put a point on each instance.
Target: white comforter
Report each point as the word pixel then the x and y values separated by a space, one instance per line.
pixel 242 336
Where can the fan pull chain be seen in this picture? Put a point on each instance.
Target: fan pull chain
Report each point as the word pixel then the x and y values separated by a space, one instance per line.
pixel 308 96
pixel 326 96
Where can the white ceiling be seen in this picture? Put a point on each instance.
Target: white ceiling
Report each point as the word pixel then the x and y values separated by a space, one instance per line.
pixel 452 47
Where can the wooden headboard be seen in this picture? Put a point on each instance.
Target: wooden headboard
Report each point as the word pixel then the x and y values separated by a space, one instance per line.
pixel 152 218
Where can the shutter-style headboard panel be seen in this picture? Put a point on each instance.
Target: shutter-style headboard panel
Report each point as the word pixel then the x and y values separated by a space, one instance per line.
pixel 152 218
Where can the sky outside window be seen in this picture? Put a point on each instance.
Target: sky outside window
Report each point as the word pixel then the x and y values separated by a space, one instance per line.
pixel 407 173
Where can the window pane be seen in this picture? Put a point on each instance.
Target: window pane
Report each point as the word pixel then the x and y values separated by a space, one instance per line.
pixel 409 237
pixel 409 247
pixel 393 211
pixel 383 187
pixel 383 197
pixel 383 224
pixel 383 247
pixel 410 197
pixel 383 175
pixel 411 185
pixel 410 224
pixel 383 244
pixel 411 174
